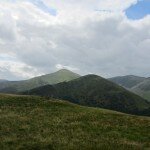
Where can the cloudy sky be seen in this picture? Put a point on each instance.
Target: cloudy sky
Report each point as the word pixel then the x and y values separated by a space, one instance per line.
pixel 105 37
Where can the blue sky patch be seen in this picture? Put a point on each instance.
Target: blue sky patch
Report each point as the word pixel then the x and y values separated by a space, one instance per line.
pixel 40 4
pixel 139 10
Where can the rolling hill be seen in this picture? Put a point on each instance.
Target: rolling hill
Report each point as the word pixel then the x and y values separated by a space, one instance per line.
pixel 53 78
pixel 143 89
pixel 128 81
pixel 29 122
pixel 135 84
pixel 95 91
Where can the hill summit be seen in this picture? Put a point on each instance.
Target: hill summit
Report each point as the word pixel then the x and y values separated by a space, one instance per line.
pixel 53 78
pixel 95 91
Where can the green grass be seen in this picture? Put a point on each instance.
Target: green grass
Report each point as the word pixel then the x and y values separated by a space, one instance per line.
pixel 146 96
pixel 28 122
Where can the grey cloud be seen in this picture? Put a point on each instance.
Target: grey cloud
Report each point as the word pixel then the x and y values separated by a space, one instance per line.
pixel 108 47
pixel 7 28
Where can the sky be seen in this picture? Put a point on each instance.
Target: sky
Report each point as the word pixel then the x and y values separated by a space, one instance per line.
pixel 139 10
pixel 105 37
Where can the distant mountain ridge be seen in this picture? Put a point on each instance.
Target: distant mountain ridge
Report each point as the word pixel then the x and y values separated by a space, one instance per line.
pixel 143 89
pixel 53 78
pixel 95 91
pixel 137 85
pixel 128 81
pixel 3 80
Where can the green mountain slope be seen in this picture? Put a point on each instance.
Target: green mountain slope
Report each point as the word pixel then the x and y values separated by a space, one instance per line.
pixel 143 89
pixel 53 78
pixel 28 122
pixel 92 90
pixel 127 81
pixel 138 85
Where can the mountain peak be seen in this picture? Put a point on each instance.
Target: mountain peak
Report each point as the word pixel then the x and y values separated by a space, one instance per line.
pixel 94 91
pixel 66 72
pixel 63 70
pixel 52 78
pixel 91 76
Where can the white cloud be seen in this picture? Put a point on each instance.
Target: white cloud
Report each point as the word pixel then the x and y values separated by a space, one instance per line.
pixel 59 66
pixel 78 38
pixel 16 70
pixel 117 5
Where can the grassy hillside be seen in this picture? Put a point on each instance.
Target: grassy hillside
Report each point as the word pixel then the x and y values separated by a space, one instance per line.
pixel 35 123
pixel 53 78
pixel 137 85
pixel 143 89
pixel 92 90
pixel 127 81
